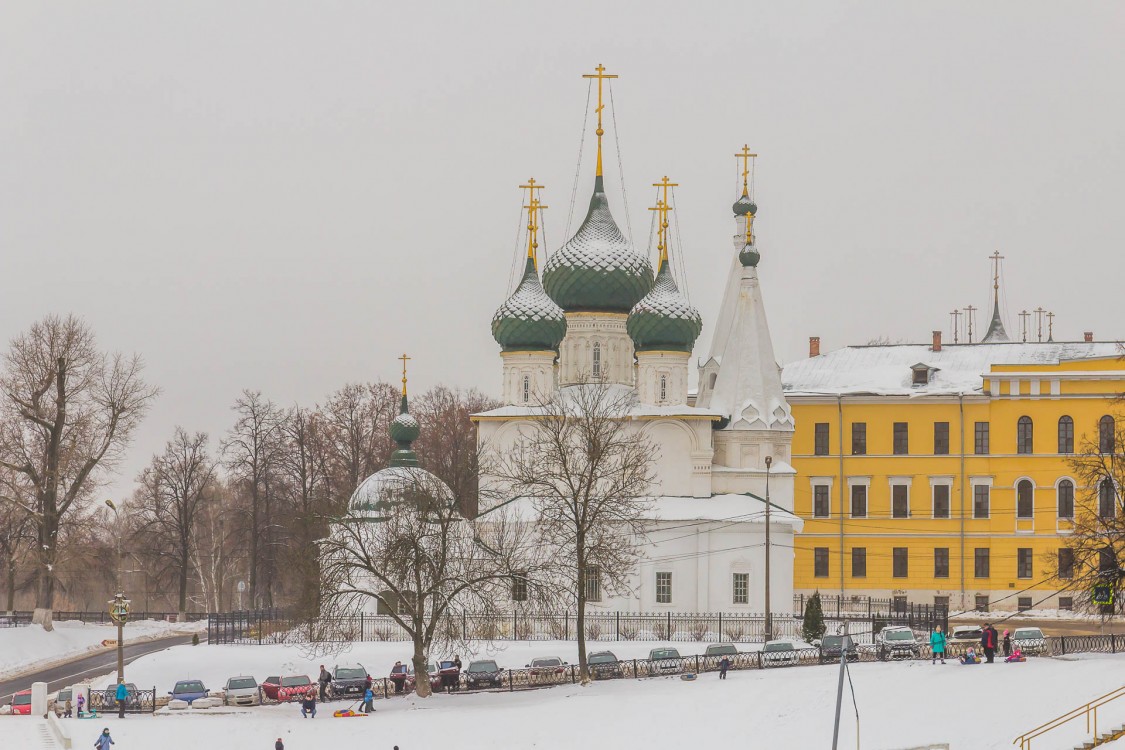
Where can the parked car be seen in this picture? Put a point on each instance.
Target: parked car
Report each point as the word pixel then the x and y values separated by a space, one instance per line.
pixel 484 674
pixel 664 661
pixel 714 653
pixel 546 669
pixel 779 654
pixel 132 698
pixel 412 679
pixel 21 703
pixel 448 672
pixel 188 690
pixel 968 635
pixel 289 688
pixel 241 691
pixel 348 680
pixel 896 642
pixel 604 665
pixel 61 698
pixel 1030 641
pixel 832 645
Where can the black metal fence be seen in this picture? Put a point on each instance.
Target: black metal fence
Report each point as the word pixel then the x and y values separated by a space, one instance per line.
pixel 137 702
pixel 20 618
pixel 15 619
pixel 713 627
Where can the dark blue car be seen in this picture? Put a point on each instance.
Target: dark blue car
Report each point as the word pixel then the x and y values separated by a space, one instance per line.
pixel 188 690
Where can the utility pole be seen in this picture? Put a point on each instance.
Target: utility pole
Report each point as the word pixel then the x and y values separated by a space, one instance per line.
pixel 840 685
pixel 769 614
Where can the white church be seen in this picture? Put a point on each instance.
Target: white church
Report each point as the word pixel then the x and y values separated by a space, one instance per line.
pixel 599 312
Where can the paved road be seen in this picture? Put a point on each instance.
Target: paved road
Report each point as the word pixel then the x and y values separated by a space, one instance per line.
pixel 88 666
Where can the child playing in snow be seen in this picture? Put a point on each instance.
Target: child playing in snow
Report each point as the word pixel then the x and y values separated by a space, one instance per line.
pixel 81 704
pixel 970 657
pixel 1016 655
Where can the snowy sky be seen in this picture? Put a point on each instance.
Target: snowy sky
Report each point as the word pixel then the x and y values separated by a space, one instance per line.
pixel 285 196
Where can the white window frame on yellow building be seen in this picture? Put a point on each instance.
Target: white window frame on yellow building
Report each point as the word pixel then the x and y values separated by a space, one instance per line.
pixel 899 481
pixel 974 482
pixel 944 480
pixel 1023 524
pixel 866 482
pixel 821 481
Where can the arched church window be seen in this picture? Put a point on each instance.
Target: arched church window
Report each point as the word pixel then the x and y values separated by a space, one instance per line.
pixel 596 370
pixel 714 377
pixel 663 387
pixel 526 388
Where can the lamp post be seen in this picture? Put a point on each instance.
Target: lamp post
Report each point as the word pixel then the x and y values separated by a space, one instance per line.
pixel 119 606
pixel 769 615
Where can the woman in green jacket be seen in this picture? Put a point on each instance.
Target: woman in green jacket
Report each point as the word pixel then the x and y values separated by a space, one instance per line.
pixel 937 645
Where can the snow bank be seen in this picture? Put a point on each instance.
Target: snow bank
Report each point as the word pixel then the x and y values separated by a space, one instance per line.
pixel 901 704
pixel 25 648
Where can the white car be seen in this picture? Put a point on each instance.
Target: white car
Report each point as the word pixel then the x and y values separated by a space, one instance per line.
pixel 896 642
pixel 779 654
pixel 1029 641
pixel 242 691
pixel 966 635
pixel 664 661
pixel 547 668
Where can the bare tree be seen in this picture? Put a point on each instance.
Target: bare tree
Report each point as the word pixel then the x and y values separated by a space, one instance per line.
pixel 250 452
pixel 67 412
pixel 355 422
pixel 411 554
pixel 586 466
pixel 1094 554
pixel 447 446
pixel 168 501
pixel 302 465
pixel 17 535
pixel 214 557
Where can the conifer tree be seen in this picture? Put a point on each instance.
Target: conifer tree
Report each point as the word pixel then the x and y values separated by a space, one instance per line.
pixel 812 627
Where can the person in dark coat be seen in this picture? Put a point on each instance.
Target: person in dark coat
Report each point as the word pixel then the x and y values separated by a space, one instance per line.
pixel 324 681
pixel 724 665
pixel 104 740
pixel 1007 644
pixel 456 674
pixel 308 705
pixel 988 642
pixel 279 745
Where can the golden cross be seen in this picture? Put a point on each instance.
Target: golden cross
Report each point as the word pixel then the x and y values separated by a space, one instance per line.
pixel 969 319
pixel 956 316
pixel 1024 316
pixel 533 208
pixel 662 210
pixel 746 156
pixel 601 75
pixel 404 358
pixel 1050 326
pixel 996 258
pixel 1039 320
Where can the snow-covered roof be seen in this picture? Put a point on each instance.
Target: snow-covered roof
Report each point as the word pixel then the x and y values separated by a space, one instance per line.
pixel 386 486
pixel 729 509
pixel 614 391
pixel 957 368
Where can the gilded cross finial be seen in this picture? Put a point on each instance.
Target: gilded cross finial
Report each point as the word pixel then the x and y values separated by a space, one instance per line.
pixel 662 208
pixel 1050 326
pixel 969 320
pixel 601 75
pixel 404 359
pixel 746 156
pixel 533 208
pixel 996 258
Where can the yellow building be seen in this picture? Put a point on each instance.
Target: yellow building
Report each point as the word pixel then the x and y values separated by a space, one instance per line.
pixel 939 474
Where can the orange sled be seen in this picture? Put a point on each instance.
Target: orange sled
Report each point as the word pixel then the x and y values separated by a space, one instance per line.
pixel 347 713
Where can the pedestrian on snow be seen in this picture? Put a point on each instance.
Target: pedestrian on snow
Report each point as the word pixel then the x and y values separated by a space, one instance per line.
pixel 69 711
pixel 279 745
pixel 398 677
pixel 368 696
pixel 937 645
pixel 724 665
pixel 1007 644
pixel 81 703
pixel 988 642
pixel 104 740
pixel 308 705
pixel 122 697
pixel 367 683
pixel 457 671
pixel 970 657
pixel 324 679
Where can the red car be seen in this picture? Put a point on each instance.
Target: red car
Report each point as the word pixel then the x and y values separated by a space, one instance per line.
pixel 411 678
pixel 288 688
pixel 21 703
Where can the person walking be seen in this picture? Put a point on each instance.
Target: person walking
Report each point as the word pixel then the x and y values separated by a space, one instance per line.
pixel 324 680
pixel 988 642
pixel 368 697
pixel 122 696
pixel 81 704
pixel 398 677
pixel 457 671
pixel 1007 644
pixel 69 714
pixel 279 745
pixel 937 645
pixel 724 665
pixel 308 705
pixel 104 740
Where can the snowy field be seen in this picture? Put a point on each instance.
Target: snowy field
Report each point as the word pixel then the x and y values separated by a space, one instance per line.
pixel 30 647
pixel 901 705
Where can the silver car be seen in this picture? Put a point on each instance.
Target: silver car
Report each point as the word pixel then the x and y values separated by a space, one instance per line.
pixel 664 661
pixel 1029 641
pixel 241 691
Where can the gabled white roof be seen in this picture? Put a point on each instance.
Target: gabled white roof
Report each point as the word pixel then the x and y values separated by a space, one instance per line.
pixel 957 368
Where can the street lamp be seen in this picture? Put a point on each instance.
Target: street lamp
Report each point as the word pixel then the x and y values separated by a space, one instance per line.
pixel 119 606
pixel 769 616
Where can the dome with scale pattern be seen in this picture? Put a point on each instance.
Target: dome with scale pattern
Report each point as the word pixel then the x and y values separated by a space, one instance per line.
pixel 664 319
pixel 597 270
pixel 529 320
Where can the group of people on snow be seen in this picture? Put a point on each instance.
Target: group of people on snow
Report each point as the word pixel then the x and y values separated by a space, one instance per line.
pixel 988 643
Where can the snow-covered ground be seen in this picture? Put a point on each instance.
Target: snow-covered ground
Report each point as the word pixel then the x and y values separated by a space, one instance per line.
pixel 1028 614
pixel 25 648
pixel 901 705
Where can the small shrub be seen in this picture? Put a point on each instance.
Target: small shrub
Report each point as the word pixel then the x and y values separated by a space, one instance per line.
pixel 593 631
pixel 699 630
pixel 629 632
pixel 195 639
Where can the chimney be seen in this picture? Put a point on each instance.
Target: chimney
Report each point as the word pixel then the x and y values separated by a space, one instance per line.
pixel 937 341
pixel 814 346
pixel 1088 336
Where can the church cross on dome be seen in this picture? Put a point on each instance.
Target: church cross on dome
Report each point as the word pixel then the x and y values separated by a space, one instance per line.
pixel 533 208
pixel 746 156
pixel 663 207
pixel 404 359
pixel 601 75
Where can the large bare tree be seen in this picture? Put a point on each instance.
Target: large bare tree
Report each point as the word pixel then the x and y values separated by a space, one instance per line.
pixel 172 491
pixel 412 552
pixel 67 412
pixel 17 537
pixel 251 452
pixel 586 465
pixel 448 444
pixel 355 422
pixel 1093 555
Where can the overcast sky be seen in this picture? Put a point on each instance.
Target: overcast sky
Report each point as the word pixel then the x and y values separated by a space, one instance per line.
pixel 286 196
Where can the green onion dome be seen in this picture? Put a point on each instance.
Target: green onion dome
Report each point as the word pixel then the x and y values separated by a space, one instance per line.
pixel 749 256
pixel 597 270
pixel 744 206
pixel 529 320
pixel 404 431
pixel 664 319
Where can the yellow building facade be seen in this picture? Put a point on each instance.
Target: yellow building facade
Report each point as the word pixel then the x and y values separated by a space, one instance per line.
pixel 941 474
